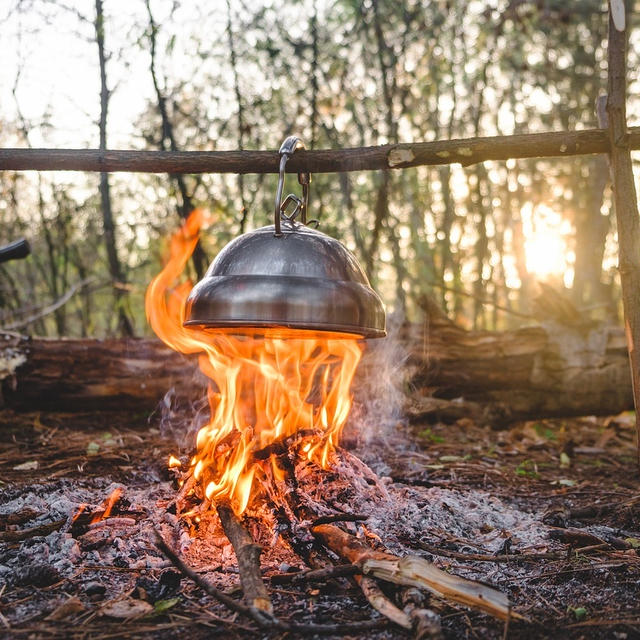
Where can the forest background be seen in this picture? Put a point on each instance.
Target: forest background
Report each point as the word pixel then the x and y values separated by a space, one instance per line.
pixel 165 74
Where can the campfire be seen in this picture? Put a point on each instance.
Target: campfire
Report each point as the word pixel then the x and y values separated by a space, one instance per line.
pixel 279 399
pixel 267 395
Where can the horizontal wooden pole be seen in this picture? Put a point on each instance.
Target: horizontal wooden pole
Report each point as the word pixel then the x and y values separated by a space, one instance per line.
pixel 398 156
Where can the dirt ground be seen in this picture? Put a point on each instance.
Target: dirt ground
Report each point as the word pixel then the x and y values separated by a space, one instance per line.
pixel 547 512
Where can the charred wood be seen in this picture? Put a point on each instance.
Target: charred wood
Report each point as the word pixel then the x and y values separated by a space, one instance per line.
pixel 261 618
pixel 248 555
pixel 315 575
pixel 413 571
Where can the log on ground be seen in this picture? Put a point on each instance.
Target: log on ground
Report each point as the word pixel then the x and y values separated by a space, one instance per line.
pixel 528 373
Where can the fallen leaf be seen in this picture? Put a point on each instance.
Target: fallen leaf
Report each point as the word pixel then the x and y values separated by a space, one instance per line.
pixel 32 465
pixel 160 606
pixel 93 448
pixel 126 609
pixel 69 607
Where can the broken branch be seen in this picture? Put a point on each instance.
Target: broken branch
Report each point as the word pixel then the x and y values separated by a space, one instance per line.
pixel 381 603
pixel 414 571
pixel 248 555
pixel 262 619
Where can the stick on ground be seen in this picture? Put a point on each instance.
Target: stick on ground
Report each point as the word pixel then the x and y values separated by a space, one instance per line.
pixel 414 571
pixel 262 619
pixel 248 555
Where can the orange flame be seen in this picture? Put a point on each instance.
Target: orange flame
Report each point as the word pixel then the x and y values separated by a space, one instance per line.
pixel 107 505
pixel 265 389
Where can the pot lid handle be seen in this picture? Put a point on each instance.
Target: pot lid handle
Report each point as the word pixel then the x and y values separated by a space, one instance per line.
pixel 287 149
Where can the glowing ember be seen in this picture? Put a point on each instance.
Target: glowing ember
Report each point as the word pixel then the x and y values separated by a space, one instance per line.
pixel 108 505
pixel 268 391
pixel 174 463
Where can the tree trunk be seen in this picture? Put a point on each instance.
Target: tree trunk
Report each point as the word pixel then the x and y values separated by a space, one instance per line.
pixel 529 373
pixel 624 193
pixel 115 270
pixel 186 206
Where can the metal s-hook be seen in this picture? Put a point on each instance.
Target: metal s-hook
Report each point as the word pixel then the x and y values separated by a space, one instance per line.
pixel 287 149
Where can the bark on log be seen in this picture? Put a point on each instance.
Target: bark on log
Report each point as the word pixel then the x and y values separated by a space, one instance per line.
pixel 529 373
pixel 76 375
pixel 533 372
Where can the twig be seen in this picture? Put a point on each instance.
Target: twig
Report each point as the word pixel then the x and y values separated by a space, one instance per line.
pixel 507 557
pixel 258 617
pixel 340 517
pixel 373 593
pixel 248 555
pixel 316 575
pixel 262 619
pixel 45 311
pixel 426 622
pixel 605 622
pixel 480 299
pixel 463 151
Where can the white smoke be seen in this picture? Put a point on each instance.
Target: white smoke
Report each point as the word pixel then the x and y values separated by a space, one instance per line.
pixel 378 390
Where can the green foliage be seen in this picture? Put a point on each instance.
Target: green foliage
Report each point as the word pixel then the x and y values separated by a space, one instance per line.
pixel 527 469
pixel 545 432
pixel 580 613
pixel 428 435
pixel 162 606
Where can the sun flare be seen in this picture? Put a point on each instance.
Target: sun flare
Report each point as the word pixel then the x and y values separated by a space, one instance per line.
pixel 546 233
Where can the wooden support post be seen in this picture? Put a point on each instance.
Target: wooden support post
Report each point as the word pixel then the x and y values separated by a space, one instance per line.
pixel 624 194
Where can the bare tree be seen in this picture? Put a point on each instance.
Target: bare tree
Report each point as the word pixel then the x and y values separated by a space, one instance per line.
pixel 168 139
pixel 118 278
pixel 241 120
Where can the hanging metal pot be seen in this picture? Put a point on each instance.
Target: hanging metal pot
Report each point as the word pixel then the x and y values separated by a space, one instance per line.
pixel 287 276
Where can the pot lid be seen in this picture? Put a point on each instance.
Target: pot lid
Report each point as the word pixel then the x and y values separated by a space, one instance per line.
pixel 302 279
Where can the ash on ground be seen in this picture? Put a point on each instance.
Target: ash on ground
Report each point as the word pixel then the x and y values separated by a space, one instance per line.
pixel 440 492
